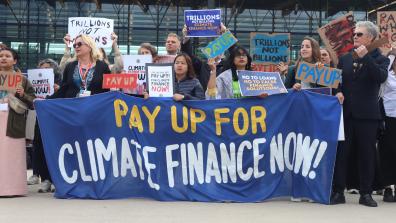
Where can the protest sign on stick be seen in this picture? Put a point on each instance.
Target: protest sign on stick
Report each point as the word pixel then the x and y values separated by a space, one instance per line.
pixel 203 23
pixel 219 45
pixel 338 35
pixel 268 48
pixel 99 29
pixel 386 21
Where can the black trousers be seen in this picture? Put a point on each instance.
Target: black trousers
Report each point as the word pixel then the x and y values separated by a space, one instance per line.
pixel 39 156
pixel 361 134
pixel 387 151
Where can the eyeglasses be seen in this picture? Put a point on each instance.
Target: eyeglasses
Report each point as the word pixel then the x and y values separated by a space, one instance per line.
pixel 79 44
pixel 358 34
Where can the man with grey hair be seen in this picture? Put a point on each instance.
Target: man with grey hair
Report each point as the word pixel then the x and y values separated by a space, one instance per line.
pixel 358 93
pixel 172 44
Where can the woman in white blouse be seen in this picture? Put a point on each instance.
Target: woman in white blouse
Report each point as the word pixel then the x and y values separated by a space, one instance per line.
pixel 387 146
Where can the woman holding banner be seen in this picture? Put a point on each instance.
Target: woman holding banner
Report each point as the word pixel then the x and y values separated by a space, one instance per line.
pixel 13 107
pixel 83 76
pixel 39 161
pixel 226 84
pixel 187 86
pixel 310 53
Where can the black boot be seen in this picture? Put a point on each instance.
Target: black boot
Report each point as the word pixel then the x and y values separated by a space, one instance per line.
pixel 337 198
pixel 388 195
pixel 367 200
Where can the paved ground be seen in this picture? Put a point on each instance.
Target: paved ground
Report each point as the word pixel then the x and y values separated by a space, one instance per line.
pixel 44 208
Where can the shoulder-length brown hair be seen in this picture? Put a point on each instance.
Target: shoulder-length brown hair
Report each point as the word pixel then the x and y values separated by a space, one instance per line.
pixel 190 67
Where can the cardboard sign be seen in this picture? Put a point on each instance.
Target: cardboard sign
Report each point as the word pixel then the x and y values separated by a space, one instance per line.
pixel 119 80
pixel 9 81
pixel 325 76
pixel 136 64
pixel 165 59
pixel 253 83
pixel 99 29
pixel 338 35
pixel 42 81
pixel 268 48
pixel 387 27
pixel 160 80
pixel 203 23
pixel 219 45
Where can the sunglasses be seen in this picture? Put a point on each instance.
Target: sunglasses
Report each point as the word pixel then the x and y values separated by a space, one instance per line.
pixel 79 44
pixel 358 34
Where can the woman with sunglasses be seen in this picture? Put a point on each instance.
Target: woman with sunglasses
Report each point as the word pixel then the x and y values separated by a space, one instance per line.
pixel 83 76
pixel 362 76
pixel 12 130
pixel 117 67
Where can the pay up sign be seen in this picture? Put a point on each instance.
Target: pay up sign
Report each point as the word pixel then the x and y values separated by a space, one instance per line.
pixel 219 45
pixel 325 76
pixel 9 81
pixel 99 29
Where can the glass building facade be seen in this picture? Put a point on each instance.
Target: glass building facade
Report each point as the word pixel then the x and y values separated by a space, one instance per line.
pixel 36 28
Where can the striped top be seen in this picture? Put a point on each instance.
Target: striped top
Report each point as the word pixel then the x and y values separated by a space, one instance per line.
pixel 190 88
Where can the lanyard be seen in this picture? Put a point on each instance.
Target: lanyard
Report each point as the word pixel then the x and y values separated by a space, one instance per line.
pixel 83 76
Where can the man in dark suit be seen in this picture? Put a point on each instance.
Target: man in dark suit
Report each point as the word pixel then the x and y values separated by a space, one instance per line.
pixel 361 79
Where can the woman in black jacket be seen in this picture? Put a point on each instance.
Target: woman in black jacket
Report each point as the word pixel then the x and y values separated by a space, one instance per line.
pixel 84 76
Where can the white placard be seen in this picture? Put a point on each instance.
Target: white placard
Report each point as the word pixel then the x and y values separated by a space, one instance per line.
pixel 3 106
pixel 42 81
pixel 99 29
pixel 137 64
pixel 160 80
pixel 341 132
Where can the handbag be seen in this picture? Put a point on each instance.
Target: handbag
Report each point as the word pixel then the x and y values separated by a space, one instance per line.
pixel 16 104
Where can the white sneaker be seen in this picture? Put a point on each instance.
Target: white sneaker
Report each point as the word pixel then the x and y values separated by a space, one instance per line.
pixel 294 199
pixel 33 180
pixel 45 187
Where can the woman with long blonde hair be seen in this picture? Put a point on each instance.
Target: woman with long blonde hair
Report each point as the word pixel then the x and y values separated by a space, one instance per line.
pixel 83 76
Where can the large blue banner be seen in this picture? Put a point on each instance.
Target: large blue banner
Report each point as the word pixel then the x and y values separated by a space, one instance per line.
pixel 244 150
